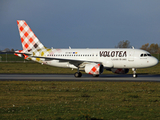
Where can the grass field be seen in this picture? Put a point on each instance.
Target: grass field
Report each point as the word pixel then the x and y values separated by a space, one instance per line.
pixel 10 57
pixel 40 100
pixel 33 67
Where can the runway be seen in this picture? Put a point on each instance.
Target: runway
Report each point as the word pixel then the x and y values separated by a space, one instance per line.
pixel 85 77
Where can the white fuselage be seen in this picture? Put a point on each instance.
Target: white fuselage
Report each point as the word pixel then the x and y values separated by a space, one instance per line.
pixel 110 58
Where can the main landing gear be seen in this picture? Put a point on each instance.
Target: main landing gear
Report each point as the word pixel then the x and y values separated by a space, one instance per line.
pixel 78 74
pixel 134 72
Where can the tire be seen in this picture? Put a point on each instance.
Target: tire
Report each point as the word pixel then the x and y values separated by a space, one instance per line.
pixel 78 74
pixel 135 76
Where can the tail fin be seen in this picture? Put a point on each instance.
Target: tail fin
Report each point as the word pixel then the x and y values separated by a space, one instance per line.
pixel 28 38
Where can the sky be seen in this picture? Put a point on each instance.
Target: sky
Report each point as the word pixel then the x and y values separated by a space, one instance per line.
pixel 81 23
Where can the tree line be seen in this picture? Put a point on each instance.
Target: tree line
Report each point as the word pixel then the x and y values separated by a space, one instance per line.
pixel 151 48
pixel 7 50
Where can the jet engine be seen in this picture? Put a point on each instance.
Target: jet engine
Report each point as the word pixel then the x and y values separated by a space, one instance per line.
pixel 119 70
pixel 93 68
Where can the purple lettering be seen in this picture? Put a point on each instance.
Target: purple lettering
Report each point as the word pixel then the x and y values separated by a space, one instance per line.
pixel 117 53
pixel 101 54
pixel 125 54
pixel 120 53
pixel 108 53
pixel 112 53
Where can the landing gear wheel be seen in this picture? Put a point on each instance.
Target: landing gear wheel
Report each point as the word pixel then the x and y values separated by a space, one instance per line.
pixel 134 73
pixel 78 74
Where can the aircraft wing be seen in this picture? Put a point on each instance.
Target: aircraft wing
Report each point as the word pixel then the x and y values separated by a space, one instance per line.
pixel 77 63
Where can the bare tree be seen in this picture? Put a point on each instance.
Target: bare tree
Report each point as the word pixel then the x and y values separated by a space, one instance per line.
pixel 153 48
pixel 6 50
pixel 12 50
pixel 145 47
pixel 123 44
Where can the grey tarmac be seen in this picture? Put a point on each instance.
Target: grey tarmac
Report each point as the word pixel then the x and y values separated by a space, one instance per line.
pixel 85 77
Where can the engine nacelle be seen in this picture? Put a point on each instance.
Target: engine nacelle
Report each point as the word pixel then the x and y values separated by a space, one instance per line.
pixel 93 68
pixel 120 70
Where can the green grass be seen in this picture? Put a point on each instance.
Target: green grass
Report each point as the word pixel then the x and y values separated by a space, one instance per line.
pixel 79 100
pixel 31 67
pixel 39 100
pixel 10 57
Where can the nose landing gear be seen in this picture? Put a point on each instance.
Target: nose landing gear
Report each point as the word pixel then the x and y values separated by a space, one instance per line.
pixel 134 72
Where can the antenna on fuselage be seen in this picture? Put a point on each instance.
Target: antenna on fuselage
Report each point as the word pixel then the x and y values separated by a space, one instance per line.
pixel 132 47
pixel 69 47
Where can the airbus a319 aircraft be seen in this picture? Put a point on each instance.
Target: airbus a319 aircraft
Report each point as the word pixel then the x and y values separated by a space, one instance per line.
pixel 92 61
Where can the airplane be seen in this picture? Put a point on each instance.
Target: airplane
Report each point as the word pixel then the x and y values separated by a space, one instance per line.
pixel 92 61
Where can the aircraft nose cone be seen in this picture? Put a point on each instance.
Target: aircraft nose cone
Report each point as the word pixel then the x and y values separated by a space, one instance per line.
pixel 157 61
pixel 154 61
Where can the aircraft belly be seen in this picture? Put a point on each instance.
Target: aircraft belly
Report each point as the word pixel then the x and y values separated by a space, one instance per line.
pixel 121 64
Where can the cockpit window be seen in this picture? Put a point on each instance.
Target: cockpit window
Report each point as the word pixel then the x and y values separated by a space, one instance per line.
pixel 144 55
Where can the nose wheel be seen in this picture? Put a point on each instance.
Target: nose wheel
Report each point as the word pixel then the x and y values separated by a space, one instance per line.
pixel 134 72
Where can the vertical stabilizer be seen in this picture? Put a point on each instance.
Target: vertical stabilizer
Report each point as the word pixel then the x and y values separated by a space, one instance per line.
pixel 28 38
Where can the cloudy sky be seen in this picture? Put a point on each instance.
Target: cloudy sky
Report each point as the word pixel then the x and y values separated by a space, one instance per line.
pixel 81 23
